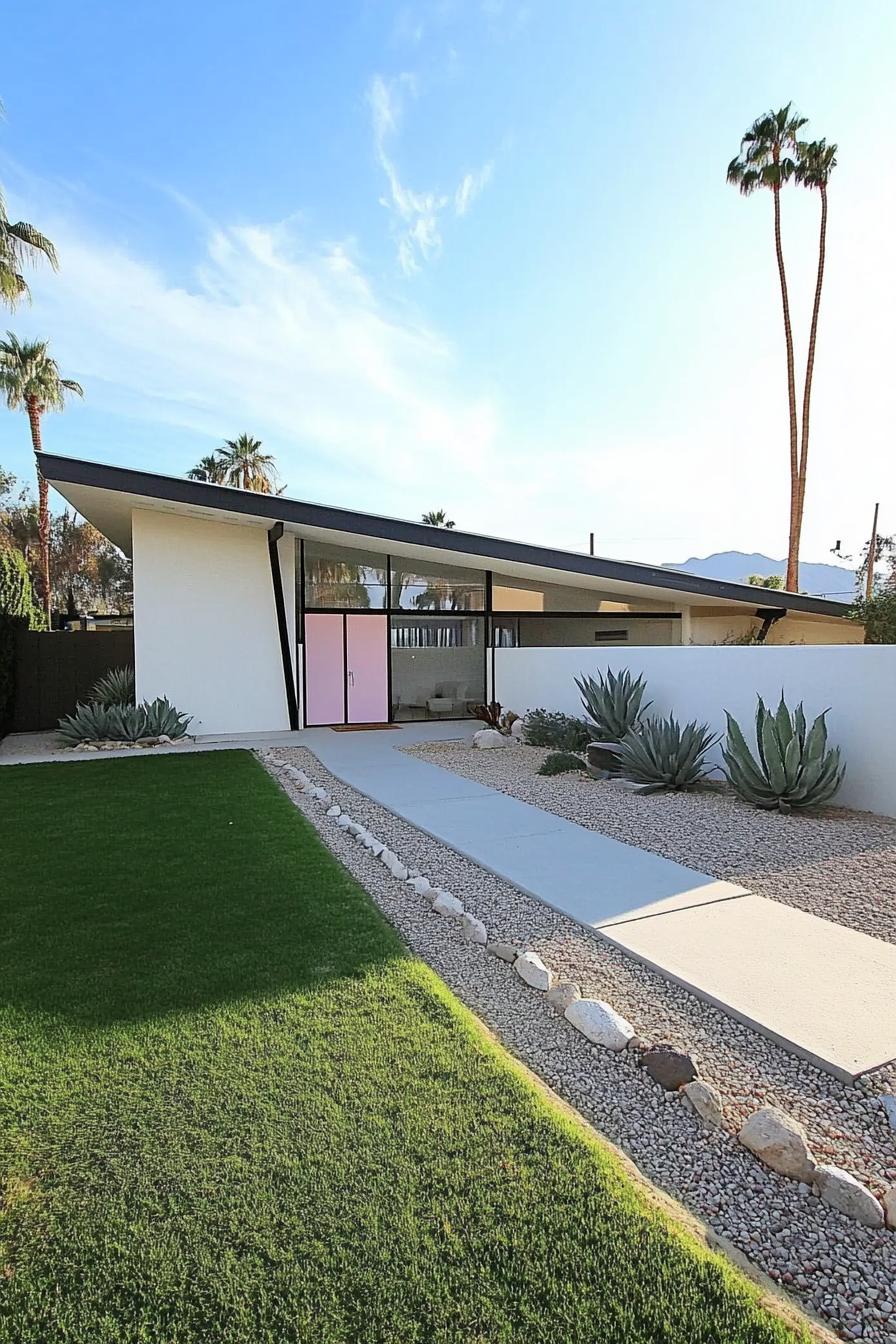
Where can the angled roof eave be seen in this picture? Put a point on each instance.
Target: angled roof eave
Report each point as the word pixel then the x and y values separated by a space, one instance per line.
pixel 62 471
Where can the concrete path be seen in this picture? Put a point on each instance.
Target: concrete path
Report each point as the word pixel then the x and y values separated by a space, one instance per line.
pixel 818 989
pixel 821 990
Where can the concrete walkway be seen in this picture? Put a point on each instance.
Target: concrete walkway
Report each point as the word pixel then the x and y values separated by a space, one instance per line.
pixel 821 990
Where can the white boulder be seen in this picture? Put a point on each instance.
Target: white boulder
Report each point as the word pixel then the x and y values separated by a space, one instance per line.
pixel 343 822
pixel 422 885
pixel 473 929
pixel 600 1023
pixel 842 1191
pixel 489 738
pixel 530 967
pixel 386 856
pixel 446 904
pixel 706 1101
pixel 517 728
pixel 334 811
pixel 780 1142
pixel 889 1203
pixel 398 870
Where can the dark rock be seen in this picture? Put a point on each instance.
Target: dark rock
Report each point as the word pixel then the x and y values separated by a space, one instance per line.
pixel 669 1067
pixel 601 756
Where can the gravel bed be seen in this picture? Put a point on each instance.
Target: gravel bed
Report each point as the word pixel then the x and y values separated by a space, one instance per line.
pixel 843 1271
pixel 834 863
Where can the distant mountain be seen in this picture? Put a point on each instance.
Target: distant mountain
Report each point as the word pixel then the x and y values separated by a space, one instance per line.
pixel 834 581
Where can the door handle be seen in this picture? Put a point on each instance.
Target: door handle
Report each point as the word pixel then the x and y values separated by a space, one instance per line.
pixel 351 677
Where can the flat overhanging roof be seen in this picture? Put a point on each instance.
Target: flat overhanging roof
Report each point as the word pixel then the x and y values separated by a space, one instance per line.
pixel 106 496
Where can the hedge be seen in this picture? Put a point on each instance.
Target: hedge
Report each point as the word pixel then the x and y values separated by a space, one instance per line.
pixel 18 611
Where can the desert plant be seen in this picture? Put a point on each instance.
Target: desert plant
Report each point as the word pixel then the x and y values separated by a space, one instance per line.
pixel 160 718
pixel 662 755
pixel 549 728
pixel 90 723
pixel 489 714
pixel 115 688
pixel 560 763
pixel 795 767
pixel 613 702
pixel 97 722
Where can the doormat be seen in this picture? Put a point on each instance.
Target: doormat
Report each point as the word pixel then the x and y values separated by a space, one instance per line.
pixel 365 727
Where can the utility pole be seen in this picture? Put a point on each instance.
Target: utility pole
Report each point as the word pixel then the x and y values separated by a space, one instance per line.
pixel 872 556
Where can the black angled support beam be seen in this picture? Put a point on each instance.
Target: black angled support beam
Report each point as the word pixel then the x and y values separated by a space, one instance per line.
pixel 292 706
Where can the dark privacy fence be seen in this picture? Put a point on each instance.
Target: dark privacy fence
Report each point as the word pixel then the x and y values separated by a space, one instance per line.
pixel 54 671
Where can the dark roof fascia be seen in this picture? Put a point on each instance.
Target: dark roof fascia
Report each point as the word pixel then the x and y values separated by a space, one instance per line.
pixel 179 490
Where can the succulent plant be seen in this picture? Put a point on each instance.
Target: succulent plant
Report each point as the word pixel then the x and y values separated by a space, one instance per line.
pixel 560 763
pixel 662 755
pixel 493 716
pixel 547 728
pixel 89 723
pixel 115 688
pixel 613 702
pixel 795 768
pixel 96 722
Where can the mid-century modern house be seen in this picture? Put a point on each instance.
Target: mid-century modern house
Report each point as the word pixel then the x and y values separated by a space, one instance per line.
pixel 256 613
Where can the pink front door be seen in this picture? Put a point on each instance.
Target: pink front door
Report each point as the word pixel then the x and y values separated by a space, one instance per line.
pixel 324 668
pixel 367 668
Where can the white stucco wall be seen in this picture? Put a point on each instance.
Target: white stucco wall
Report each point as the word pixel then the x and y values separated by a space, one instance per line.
pixel 205 625
pixel 856 681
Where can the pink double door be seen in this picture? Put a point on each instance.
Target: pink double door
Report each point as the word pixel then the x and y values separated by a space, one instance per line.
pixel 346 668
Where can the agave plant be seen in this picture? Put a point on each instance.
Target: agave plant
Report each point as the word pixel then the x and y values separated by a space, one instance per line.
pixel 122 723
pixel 115 688
pixel 613 702
pixel 160 718
pixel 795 768
pixel 89 723
pixel 660 754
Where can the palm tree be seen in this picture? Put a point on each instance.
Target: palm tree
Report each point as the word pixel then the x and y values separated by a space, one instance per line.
pixel 209 469
pixel 243 464
pixel 437 518
pixel 19 244
pixel 768 158
pixel 816 163
pixel 30 381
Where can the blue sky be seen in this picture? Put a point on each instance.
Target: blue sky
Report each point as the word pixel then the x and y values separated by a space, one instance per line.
pixel 474 255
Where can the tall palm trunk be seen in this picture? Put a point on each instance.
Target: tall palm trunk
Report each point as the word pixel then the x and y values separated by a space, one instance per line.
pixel 793 550
pixel 810 358
pixel 43 511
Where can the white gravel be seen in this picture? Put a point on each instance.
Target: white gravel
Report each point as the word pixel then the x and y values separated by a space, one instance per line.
pixel 832 862
pixel 844 1271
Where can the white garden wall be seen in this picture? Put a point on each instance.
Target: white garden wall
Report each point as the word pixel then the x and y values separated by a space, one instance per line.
pixel 205 625
pixel 858 682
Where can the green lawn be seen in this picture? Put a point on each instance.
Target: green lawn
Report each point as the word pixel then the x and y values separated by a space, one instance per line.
pixel 234 1108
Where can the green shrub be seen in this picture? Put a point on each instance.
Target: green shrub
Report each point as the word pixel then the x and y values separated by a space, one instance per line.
pixel 115 688
pixel 663 755
pixel 122 723
pixel 560 763
pixel 878 615
pixel 18 611
pixel 547 728
pixel 613 703
pixel 794 769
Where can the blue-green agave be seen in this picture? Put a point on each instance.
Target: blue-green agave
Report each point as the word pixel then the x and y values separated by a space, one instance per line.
pixel 795 768
pixel 613 703
pixel 660 754
pixel 123 723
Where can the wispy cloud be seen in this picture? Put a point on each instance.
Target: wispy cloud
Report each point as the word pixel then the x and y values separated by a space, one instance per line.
pixel 270 332
pixel 416 215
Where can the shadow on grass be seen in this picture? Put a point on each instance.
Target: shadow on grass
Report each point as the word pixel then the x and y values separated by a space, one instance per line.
pixel 139 888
